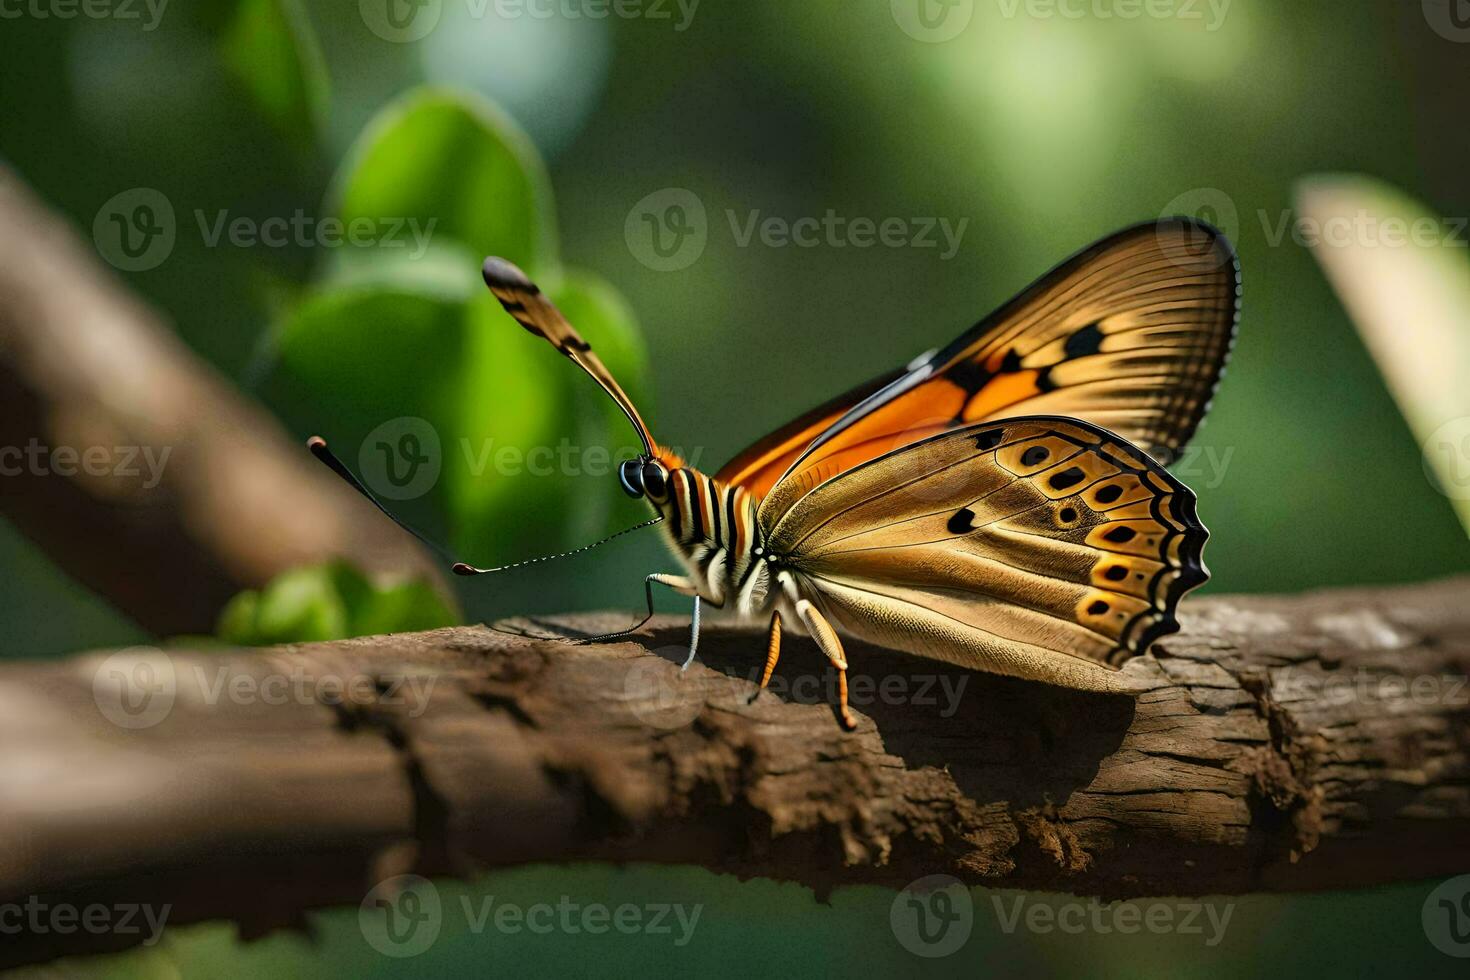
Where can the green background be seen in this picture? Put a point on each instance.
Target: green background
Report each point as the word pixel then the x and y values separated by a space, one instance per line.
pixel 1042 132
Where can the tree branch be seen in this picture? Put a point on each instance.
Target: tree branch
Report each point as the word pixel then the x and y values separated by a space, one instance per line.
pixel 1310 742
pixel 191 493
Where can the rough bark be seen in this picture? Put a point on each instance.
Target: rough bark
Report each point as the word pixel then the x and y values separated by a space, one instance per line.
pixel 87 368
pixel 1278 743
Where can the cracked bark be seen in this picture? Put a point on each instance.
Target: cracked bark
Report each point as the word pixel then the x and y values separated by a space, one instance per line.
pixel 1278 743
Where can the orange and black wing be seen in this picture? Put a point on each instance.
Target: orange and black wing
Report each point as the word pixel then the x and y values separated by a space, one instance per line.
pixel 1131 334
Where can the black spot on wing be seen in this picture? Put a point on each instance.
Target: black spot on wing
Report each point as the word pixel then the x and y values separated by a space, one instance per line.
pixel 962 522
pixel 1068 478
pixel 1084 342
pixel 1035 456
pixel 969 375
pixel 989 439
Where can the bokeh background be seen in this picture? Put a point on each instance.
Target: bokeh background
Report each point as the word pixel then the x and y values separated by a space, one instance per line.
pixel 1034 127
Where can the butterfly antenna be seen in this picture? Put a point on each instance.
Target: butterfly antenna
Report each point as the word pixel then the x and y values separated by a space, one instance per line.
pixel 318 447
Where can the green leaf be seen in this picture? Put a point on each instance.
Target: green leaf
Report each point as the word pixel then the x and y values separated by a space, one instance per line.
pixel 409 360
pixel 460 168
pixel 270 48
pixel 1402 273
pixel 299 606
pixel 329 602
pixel 489 398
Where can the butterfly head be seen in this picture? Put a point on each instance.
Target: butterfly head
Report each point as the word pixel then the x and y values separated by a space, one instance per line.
pixel 648 476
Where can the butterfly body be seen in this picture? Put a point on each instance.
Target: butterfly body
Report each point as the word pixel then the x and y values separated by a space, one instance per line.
pixel 997 504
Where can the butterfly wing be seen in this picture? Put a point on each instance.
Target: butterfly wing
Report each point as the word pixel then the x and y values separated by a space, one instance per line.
pixel 1132 334
pixel 1038 547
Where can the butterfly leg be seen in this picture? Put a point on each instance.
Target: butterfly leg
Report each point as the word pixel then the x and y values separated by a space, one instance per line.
pixel 678 583
pixel 693 634
pixel 826 637
pixel 773 653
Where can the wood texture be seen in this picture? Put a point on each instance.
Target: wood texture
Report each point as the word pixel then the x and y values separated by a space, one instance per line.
pixel 1310 742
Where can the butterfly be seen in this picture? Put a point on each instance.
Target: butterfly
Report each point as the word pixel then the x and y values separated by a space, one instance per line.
pixel 999 503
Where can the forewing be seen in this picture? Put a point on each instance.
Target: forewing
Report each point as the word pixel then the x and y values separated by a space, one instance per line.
pixel 1131 334
pixel 1039 547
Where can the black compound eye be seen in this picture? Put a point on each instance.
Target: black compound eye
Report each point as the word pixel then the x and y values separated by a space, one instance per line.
pixel 653 479
pixel 630 475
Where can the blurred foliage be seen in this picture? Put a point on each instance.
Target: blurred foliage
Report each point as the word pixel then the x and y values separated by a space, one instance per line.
pixel 405 329
pixel 1045 133
pixel 329 602
pixel 1406 283
pixel 270 48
